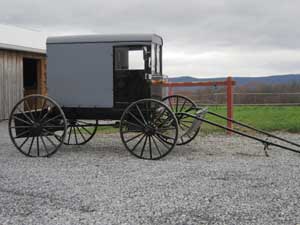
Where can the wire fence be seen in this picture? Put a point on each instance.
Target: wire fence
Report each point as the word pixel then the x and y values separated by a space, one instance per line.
pixel 255 99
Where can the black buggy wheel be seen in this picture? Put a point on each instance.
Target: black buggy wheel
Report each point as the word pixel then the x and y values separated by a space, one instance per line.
pixel 37 126
pixel 79 132
pixel 181 104
pixel 149 129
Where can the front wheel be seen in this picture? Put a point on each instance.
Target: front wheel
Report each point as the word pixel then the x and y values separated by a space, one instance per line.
pixel 149 129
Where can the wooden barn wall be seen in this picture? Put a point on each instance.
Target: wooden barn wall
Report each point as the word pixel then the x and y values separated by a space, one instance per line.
pixel 11 79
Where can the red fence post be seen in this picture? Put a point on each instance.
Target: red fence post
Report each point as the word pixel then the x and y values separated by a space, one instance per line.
pixel 229 103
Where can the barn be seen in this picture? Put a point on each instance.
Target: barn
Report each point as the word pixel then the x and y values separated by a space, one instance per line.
pixel 22 66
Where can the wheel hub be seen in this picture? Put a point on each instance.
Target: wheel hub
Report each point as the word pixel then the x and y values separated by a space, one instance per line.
pixel 36 129
pixel 149 131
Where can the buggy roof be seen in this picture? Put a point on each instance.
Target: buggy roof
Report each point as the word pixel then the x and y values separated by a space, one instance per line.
pixel 152 38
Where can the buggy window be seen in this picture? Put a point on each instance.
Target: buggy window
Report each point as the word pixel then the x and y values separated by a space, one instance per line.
pixel 129 58
pixel 136 60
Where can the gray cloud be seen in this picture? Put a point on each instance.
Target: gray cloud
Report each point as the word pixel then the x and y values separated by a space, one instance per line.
pixel 201 37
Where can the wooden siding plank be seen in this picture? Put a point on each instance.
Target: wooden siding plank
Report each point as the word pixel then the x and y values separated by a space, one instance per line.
pixel 11 79
pixel 2 105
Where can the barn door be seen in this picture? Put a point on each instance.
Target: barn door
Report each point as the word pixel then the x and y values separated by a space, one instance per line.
pixel 31 77
pixel 131 66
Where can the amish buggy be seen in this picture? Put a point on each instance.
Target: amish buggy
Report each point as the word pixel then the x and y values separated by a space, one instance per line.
pixel 111 80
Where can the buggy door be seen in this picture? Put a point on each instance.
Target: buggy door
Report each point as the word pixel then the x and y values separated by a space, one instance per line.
pixel 131 66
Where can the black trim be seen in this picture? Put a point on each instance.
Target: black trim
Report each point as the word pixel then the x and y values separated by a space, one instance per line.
pixel 92 113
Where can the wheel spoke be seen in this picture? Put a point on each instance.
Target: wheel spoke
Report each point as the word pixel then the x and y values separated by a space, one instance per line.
pixel 182 106
pixel 147 110
pixel 150 148
pixel 132 138
pixel 176 109
pixel 45 116
pixel 45 146
pixel 133 124
pixel 156 146
pixel 143 149
pixel 29 150
pixel 182 128
pixel 75 135
pixel 87 130
pixel 18 127
pixel 138 143
pixel 52 133
pixel 24 141
pixel 166 129
pixel 37 146
pixel 53 118
pixel 140 122
pixel 17 118
pixel 165 136
pixel 62 126
pixel 159 116
pixel 24 114
pixel 171 106
pixel 141 114
pixel 190 108
pixel 43 105
pixel 69 135
pixel 81 134
pixel 131 131
pixel 50 141
pixel 181 138
pixel 188 135
pixel 166 120
pixel 22 133
pixel 185 125
pixel 29 109
pixel 161 141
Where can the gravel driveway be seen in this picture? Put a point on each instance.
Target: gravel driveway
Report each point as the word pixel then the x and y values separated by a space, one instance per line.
pixel 213 180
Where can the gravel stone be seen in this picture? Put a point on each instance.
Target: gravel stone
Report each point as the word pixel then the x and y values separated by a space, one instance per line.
pixel 216 179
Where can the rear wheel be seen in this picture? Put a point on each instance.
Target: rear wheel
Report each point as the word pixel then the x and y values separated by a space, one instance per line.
pixel 181 104
pixel 37 126
pixel 80 132
pixel 149 129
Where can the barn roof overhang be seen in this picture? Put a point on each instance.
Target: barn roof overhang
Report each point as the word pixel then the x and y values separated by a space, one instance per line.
pixel 115 38
pixel 21 49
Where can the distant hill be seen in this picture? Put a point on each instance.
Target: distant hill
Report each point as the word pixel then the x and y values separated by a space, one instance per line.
pixel 241 81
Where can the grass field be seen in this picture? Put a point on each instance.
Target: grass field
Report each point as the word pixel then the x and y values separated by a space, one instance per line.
pixel 268 118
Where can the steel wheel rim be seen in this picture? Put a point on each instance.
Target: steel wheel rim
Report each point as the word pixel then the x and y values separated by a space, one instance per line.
pixel 173 102
pixel 38 137
pixel 143 129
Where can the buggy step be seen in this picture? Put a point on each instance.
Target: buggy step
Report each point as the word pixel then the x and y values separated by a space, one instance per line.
pixel 197 122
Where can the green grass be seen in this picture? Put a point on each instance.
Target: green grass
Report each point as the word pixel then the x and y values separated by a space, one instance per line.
pixel 107 129
pixel 268 118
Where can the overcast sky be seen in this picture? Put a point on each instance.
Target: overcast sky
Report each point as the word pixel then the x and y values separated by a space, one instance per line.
pixel 203 38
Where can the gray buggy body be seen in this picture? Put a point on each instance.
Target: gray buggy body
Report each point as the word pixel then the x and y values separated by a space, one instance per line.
pixel 94 71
